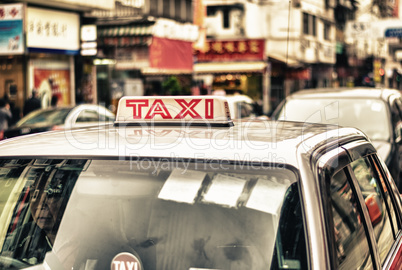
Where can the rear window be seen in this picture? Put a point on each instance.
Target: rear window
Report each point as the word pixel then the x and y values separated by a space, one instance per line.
pixel 150 214
pixel 52 117
pixel 369 115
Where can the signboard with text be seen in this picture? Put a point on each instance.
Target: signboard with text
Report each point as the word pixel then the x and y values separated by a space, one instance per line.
pixel 393 32
pixel 231 50
pixel 11 29
pixel 50 30
pixel 170 54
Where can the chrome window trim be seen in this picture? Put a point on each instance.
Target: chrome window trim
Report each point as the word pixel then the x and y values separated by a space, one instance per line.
pixel 394 251
pixel 334 160
pixel 324 165
pixel 367 220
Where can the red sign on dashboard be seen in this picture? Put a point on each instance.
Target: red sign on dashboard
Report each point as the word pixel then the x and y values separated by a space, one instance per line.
pixel 231 50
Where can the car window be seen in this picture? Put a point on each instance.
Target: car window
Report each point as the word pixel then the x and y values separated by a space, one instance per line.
pixel 51 117
pixel 243 109
pixel 369 115
pixel 106 118
pixel 351 241
pixel 88 116
pixel 385 189
pixel 377 203
pixel 396 111
pixel 290 245
pixel 171 214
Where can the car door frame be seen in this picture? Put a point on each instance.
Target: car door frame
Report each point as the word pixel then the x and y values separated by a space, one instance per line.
pixel 327 163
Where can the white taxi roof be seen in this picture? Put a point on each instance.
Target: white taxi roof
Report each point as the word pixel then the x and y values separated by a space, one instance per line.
pixel 256 141
pixel 187 127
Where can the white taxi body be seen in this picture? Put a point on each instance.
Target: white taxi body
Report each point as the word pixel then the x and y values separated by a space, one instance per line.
pixel 176 184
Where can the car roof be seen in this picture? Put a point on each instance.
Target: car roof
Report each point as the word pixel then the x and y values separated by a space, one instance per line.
pixel 70 107
pixel 235 98
pixel 256 140
pixel 346 92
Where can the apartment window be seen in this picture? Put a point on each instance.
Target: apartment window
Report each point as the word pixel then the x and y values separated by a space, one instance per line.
pixel 166 8
pixel 211 11
pixel 226 21
pixel 189 10
pixel 153 7
pixel 314 25
pixel 177 8
pixel 327 30
pixel 305 23
pixel 309 24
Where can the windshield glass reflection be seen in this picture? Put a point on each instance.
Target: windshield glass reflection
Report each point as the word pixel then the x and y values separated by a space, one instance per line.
pixel 368 115
pixel 168 214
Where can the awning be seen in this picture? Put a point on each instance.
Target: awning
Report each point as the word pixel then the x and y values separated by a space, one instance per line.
pixel 230 67
pixel 159 71
pixel 289 61
pixel 120 31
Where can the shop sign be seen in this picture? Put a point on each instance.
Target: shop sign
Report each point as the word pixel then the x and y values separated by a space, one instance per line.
pixel 88 40
pixel 170 29
pixel 132 58
pixel 171 54
pixel 126 41
pixel 393 32
pixel 11 29
pixel 53 30
pixel 359 30
pixel 132 3
pixel 52 78
pixel 377 67
pixel 300 74
pixel 231 50
pixel 100 4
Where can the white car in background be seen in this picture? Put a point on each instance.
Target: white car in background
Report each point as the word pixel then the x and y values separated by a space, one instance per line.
pixel 59 118
pixel 241 106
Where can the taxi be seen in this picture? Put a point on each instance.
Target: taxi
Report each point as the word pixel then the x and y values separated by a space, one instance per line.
pixel 175 183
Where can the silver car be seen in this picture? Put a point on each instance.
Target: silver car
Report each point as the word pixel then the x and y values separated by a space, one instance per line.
pixel 176 184
pixel 58 118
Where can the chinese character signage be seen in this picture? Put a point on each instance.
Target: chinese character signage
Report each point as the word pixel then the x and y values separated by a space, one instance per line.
pixel 53 30
pixel 11 29
pixel 231 50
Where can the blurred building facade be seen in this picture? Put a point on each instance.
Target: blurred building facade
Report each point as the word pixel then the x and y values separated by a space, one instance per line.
pixel 373 40
pixel 39 48
pixel 307 44
pixel 141 45
pixel 298 39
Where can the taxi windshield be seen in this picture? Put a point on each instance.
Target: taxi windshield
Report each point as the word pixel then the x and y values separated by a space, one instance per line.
pixel 170 214
pixel 368 115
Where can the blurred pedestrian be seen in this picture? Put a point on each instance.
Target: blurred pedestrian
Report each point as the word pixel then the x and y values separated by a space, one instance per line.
pixel 5 115
pixel 32 103
pixel 54 101
pixel 15 111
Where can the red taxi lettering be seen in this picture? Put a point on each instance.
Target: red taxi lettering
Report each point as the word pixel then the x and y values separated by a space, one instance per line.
pixel 125 261
pixel 209 109
pixel 137 105
pixel 158 107
pixel 188 109
pixel 123 265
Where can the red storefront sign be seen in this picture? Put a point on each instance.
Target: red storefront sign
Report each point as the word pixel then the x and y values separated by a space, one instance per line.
pixel 171 54
pixel 301 74
pixel 231 50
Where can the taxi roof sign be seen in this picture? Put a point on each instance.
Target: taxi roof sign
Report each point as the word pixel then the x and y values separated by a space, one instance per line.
pixel 173 110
